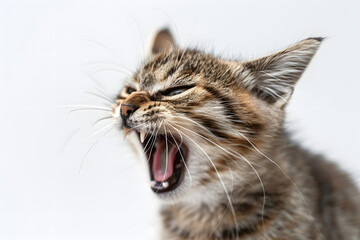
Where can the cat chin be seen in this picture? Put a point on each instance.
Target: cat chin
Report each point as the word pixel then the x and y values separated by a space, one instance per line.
pixel 175 196
pixel 186 194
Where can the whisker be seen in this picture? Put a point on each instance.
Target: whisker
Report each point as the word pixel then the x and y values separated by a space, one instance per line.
pixel 186 167
pixel 166 153
pixel 297 189
pixel 204 128
pixel 182 55
pixel 113 99
pixel 123 68
pixel 101 96
pixel 112 51
pixel 101 119
pixel 173 23
pixel 219 176
pixel 84 106
pixel 95 133
pixel 92 146
pixel 218 223
pixel 235 154
pixel 151 136
pixel 69 138
pixel 110 70
pixel 288 177
pixel 140 37
pixel 83 109
pixel 154 142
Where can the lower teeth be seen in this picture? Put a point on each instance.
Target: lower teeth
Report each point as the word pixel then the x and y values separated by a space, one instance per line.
pixel 153 184
pixel 165 184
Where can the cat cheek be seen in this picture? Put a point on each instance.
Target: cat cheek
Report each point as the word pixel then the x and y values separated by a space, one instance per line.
pixel 116 110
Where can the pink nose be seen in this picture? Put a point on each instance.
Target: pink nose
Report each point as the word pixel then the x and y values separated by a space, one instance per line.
pixel 126 110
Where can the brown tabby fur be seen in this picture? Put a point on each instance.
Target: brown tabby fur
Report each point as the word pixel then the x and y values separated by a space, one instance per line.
pixel 246 179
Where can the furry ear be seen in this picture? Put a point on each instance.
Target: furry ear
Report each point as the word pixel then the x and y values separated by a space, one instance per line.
pixel 163 41
pixel 273 77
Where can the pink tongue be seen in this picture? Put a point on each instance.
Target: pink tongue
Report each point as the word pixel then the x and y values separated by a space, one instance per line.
pixel 161 170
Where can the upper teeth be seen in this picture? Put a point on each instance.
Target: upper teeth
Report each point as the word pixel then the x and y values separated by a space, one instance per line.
pixel 142 136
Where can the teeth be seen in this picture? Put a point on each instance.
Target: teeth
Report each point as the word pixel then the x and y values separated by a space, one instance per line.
pixel 155 184
pixel 165 184
pixel 142 136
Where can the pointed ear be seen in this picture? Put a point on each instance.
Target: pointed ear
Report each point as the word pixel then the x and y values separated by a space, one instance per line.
pixel 163 41
pixel 273 77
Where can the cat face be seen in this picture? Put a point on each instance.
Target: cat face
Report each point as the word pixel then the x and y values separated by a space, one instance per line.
pixel 200 121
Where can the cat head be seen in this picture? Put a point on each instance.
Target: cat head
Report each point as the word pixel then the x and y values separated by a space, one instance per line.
pixel 202 122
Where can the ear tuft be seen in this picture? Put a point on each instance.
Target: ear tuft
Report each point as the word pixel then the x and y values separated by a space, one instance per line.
pixel 163 41
pixel 319 39
pixel 273 77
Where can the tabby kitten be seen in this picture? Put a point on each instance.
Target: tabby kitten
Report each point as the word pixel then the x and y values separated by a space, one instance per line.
pixel 211 132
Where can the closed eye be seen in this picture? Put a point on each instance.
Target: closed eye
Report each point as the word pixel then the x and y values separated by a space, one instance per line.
pixel 176 90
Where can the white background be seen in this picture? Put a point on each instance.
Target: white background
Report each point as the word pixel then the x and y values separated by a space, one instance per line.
pixel 53 52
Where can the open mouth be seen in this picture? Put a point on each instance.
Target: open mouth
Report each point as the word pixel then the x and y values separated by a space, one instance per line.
pixel 166 156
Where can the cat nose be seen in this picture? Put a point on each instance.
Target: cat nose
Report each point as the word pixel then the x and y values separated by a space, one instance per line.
pixel 126 110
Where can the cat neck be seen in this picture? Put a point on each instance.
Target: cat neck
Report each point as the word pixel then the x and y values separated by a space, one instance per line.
pixel 254 205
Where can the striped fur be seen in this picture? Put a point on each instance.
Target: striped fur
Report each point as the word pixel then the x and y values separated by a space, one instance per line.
pixel 245 178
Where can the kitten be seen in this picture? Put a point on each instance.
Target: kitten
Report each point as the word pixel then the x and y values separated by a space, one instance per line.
pixel 211 132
